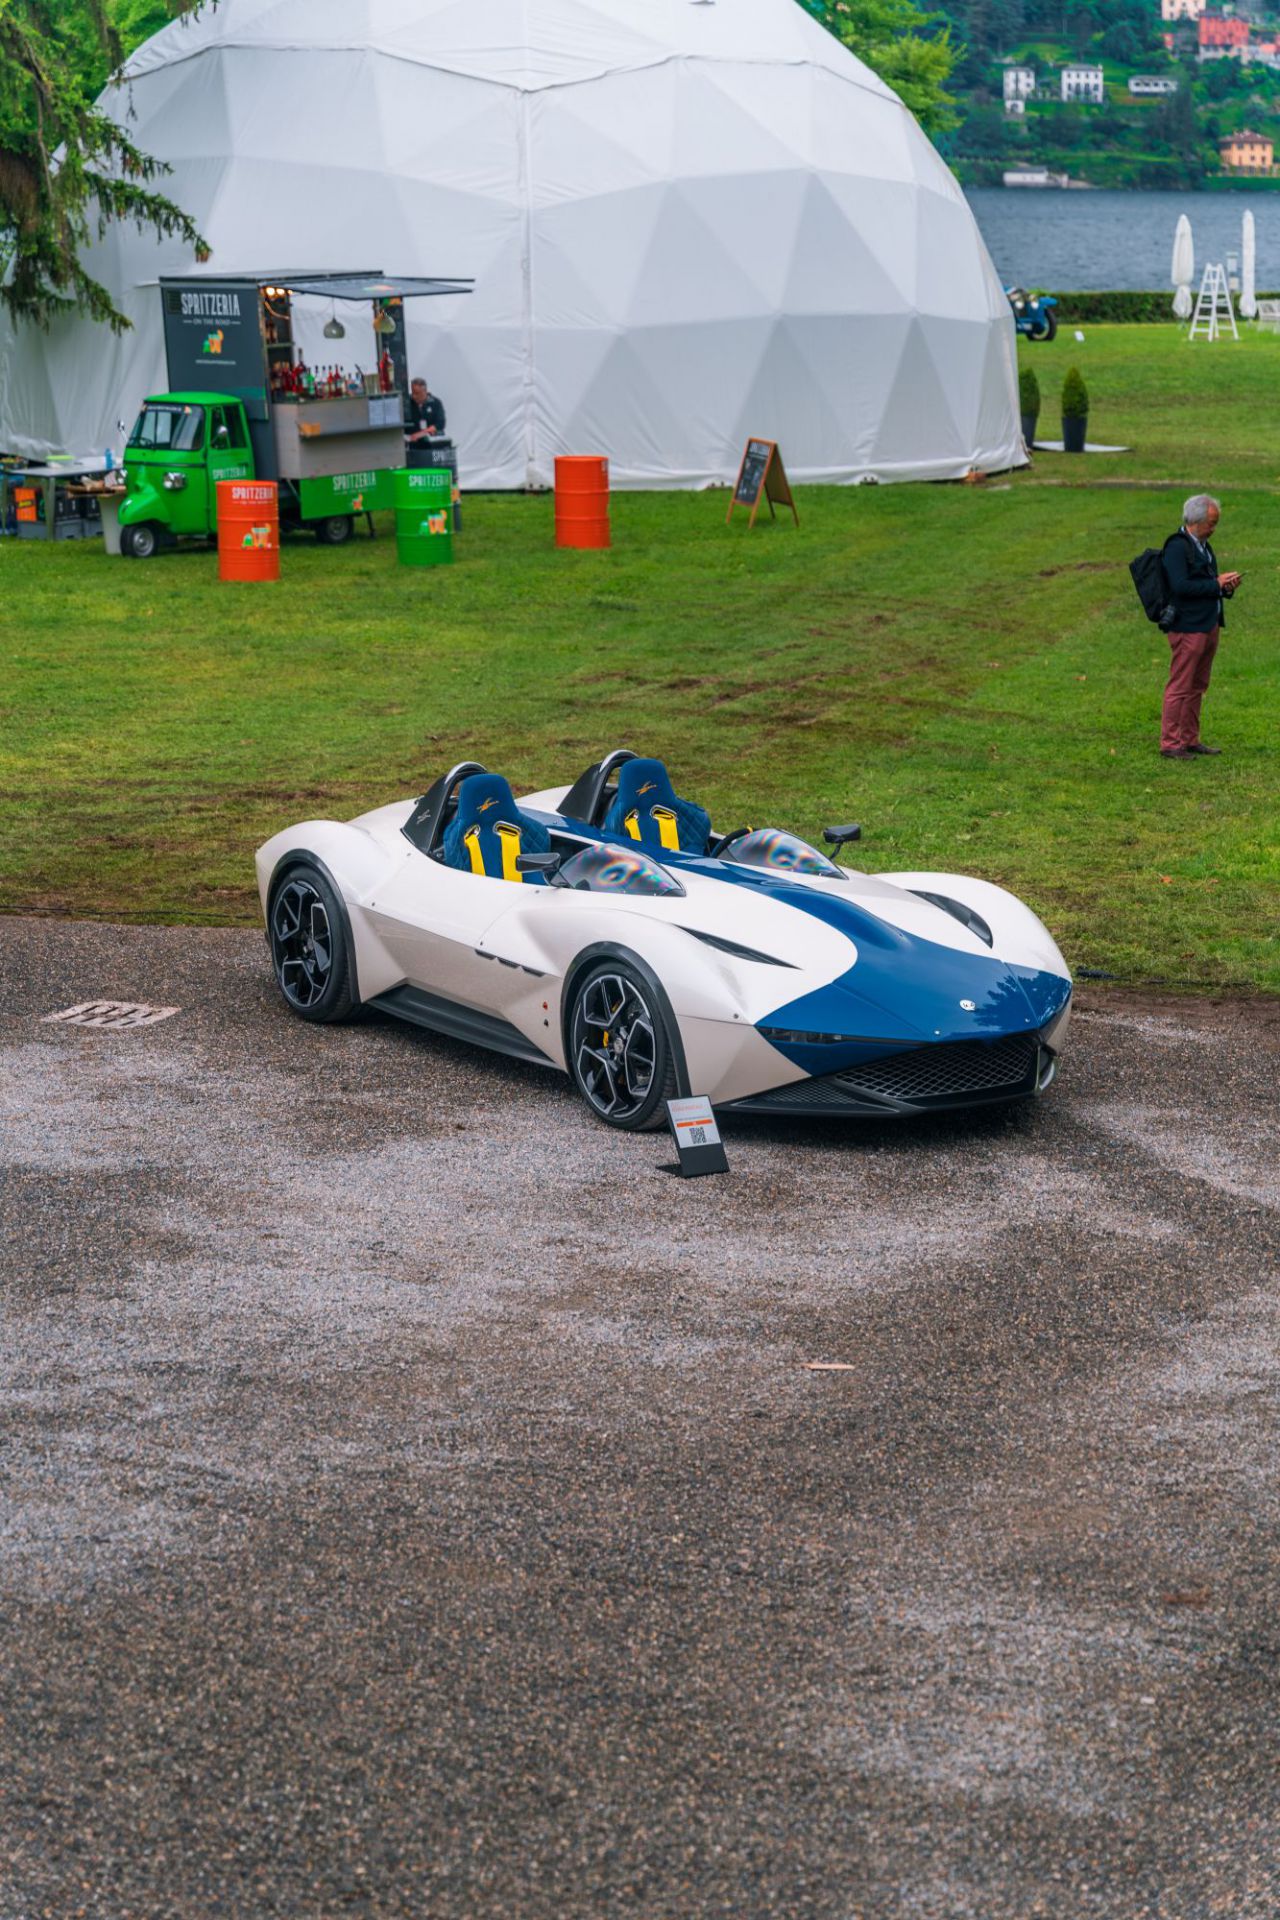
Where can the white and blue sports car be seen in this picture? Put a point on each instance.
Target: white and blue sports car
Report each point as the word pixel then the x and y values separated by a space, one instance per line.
pixel 606 930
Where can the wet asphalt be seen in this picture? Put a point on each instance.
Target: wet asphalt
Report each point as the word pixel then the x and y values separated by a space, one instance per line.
pixel 414 1502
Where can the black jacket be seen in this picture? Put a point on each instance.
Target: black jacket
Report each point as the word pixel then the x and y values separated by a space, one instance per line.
pixel 1193 584
pixel 429 414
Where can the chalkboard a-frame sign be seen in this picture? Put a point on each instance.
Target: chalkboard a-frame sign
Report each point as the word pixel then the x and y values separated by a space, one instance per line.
pixel 762 476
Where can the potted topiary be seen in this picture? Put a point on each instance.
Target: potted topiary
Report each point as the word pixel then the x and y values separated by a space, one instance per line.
pixel 1075 411
pixel 1029 402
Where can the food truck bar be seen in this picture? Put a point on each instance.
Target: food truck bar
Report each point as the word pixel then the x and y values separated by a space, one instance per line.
pixel 245 404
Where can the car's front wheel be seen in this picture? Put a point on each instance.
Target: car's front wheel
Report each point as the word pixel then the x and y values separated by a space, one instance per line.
pixel 620 1053
pixel 140 542
pixel 311 946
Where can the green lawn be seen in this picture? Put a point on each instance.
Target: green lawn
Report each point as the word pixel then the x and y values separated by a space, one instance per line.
pixel 963 668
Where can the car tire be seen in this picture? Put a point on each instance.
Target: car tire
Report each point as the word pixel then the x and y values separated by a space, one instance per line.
pixel 141 542
pixel 336 530
pixel 620 1052
pixel 311 948
pixel 1048 325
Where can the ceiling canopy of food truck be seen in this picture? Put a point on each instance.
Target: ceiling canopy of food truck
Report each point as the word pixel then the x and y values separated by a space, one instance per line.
pixel 369 285
pixel 372 286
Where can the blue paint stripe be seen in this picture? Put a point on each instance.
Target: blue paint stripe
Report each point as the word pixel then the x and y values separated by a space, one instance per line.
pixel 904 989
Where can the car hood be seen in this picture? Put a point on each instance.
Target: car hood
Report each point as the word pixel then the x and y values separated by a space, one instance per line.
pixel 902 987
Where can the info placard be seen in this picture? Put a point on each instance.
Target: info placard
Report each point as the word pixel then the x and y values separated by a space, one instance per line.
pixel 762 476
pixel 697 1137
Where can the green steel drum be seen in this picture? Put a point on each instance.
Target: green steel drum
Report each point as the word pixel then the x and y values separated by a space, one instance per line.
pixel 424 516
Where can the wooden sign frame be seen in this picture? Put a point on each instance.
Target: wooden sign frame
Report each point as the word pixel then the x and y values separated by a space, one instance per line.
pixel 762 476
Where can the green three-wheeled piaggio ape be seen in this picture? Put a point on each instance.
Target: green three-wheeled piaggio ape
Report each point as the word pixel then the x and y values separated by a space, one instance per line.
pixel 244 405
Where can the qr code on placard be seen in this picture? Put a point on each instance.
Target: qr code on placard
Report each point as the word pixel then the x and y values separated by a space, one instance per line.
pixel 697 1136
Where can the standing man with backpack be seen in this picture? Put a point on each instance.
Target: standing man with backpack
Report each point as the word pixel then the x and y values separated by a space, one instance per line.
pixel 1192 619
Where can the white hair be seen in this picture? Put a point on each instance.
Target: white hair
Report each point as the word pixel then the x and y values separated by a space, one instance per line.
pixel 1195 511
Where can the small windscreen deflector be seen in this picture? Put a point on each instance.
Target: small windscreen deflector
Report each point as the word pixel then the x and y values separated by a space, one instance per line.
pixel 619 870
pixel 779 852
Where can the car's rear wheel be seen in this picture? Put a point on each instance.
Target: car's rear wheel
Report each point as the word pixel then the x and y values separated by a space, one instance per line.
pixel 311 946
pixel 620 1053
pixel 336 530
pixel 1048 326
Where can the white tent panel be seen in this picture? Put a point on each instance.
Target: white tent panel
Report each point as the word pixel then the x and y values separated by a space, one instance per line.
pixel 686 224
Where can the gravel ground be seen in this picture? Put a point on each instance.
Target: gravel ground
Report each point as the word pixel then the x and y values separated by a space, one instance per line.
pixel 413 1502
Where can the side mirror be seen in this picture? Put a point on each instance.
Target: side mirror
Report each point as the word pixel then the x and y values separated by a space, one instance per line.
pixel 841 836
pixel 222 438
pixel 547 864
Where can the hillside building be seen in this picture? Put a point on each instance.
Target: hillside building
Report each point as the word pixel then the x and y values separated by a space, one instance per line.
pixel 1246 152
pixel 1083 81
pixel 1171 10
pixel 1144 85
pixel 1019 85
pixel 1222 39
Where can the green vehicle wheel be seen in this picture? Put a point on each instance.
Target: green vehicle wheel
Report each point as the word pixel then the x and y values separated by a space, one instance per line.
pixel 141 542
pixel 335 531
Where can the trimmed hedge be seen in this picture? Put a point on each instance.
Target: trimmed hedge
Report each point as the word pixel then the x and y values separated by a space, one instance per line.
pixel 1076 309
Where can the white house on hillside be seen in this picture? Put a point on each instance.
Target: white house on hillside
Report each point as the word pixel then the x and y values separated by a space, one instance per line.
pixel 1083 81
pixel 1147 83
pixel 1019 85
pixel 1182 9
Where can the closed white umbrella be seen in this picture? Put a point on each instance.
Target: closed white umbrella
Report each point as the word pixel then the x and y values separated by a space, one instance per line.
pixel 1248 271
pixel 1183 270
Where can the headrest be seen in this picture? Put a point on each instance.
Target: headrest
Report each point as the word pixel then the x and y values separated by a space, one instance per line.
pixel 645 782
pixel 486 797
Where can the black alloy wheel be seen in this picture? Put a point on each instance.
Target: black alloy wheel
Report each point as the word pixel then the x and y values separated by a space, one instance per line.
pixel 310 946
pixel 619 1051
pixel 141 542
pixel 335 531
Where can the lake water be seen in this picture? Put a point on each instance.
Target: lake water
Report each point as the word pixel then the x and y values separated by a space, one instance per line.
pixel 1082 241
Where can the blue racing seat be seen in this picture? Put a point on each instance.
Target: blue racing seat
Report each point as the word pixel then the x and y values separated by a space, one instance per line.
pixel 646 809
pixel 488 831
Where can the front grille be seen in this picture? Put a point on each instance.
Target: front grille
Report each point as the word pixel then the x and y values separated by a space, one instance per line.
pixel 951 1073
pixel 951 1069
pixel 805 1096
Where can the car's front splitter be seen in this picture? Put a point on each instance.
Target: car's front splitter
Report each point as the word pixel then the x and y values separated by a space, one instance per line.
pixel 940 1077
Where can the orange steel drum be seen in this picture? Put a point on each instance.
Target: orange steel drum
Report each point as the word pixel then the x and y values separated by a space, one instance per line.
pixel 248 530
pixel 582 501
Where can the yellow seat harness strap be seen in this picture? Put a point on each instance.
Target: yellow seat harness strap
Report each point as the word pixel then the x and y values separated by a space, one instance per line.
pixel 509 836
pixel 668 832
pixel 471 841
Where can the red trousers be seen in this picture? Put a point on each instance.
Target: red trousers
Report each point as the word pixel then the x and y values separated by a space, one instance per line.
pixel 1189 669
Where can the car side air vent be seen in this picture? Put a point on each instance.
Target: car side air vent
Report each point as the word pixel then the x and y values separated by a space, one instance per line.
pixel 738 953
pixel 958 911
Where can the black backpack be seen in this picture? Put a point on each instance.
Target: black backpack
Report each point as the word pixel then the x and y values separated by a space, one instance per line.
pixel 1152 585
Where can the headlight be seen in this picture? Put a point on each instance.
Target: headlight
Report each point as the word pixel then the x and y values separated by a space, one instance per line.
pixel 174 482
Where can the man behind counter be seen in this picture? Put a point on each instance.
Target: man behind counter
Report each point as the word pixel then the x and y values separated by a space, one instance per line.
pixel 423 417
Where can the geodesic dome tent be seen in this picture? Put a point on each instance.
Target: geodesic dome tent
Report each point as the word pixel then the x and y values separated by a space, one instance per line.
pixel 688 221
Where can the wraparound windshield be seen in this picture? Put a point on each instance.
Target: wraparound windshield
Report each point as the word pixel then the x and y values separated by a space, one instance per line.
pixel 618 870
pixel 780 852
pixel 169 430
